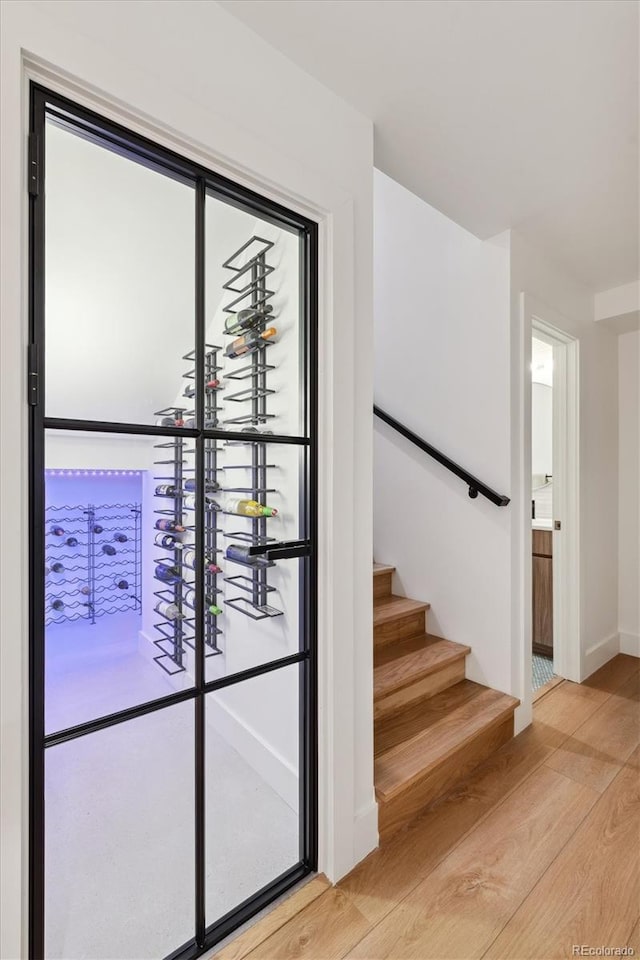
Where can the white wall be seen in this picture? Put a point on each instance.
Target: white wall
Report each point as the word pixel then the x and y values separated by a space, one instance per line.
pixel 442 368
pixel 541 430
pixel 281 132
pixel 533 273
pixel 629 493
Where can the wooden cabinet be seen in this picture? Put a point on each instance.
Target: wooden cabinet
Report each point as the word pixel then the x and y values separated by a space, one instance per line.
pixel 542 563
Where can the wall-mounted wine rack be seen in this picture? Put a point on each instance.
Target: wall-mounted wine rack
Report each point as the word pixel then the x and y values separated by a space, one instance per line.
pixel 249 283
pixel 93 567
pixel 177 624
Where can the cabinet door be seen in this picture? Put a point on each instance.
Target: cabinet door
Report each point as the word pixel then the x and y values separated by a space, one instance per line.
pixel 543 604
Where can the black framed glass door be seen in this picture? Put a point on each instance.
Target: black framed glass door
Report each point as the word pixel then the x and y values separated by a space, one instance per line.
pixel 173 521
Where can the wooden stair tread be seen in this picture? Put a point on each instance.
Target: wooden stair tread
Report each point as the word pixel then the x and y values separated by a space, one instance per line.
pixel 380 568
pixel 447 728
pixel 387 609
pixel 398 665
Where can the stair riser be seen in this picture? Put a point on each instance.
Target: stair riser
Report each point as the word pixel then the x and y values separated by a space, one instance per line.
pixel 396 812
pixel 382 585
pixel 422 689
pixel 401 628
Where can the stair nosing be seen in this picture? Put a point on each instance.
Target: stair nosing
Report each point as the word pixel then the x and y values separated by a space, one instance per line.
pixel 417 607
pixel 454 655
pixel 507 705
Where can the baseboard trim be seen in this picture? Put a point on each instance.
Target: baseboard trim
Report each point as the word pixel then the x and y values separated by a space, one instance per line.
pixel 598 654
pixel 365 831
pixel 630 644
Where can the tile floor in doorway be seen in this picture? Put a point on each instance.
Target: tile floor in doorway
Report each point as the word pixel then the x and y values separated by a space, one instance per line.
pixel 542 671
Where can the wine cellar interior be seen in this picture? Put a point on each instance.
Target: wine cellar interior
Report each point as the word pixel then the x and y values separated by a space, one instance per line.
pixel 122 547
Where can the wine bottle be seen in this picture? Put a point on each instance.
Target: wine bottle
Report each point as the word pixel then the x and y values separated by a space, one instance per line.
pixel 108 550
pixel 121 584
pixel 190 391
pixel 190 600
pixel 249 343
pixel 57 531
pixel 236 552
pixel 57 567
pixel 251 508
pixel 166 490
pixel 47 570
pixel 167 573
pixel 263 433
pixel 85 590
pixel 247 319
pixel 120 537
pixel 170 422
pixel 167 541
pixel 71 541
pixel 209 485
pixel 190 423
pixel 189 559
pixel 97 528
pixel 209 502
pixel 169 525
pixel 57 604
pixel 169 610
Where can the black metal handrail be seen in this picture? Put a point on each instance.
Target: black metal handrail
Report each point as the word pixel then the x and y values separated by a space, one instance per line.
pixel 475 485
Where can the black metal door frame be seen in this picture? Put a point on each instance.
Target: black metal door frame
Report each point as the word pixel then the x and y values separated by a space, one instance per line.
pixel 91 126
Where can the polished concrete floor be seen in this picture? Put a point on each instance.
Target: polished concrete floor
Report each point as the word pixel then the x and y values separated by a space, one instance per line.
pixel 120 809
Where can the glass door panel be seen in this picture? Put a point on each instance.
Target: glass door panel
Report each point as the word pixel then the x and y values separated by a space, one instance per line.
pixel 119 856
pixel 254 313
pixel 253 786
pixel 119 295
pixel 111 577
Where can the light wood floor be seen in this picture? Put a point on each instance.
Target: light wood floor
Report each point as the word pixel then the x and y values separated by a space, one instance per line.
pixel 538 850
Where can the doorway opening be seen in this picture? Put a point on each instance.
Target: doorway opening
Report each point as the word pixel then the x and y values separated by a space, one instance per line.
pixel 554 497
pixel 172 517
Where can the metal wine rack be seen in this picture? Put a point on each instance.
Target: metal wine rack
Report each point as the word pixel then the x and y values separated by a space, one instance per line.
pixel 92 583
pixel 249 283
pixel 178 468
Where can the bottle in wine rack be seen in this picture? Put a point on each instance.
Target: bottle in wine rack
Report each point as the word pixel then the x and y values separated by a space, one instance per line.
pixel 120 537
pixel 236 552
pixel 209 485
pixel 169 525
pixel 56 531
pixel 109 550
pixel 170 422
pixel 208 424
pixel 98 528
pixel 57 604
pixel 121 584
pixel 209 504
pixel 47 570
pixel 168 573
pixel 85 590
pixel 247 319
pixel 249 343
pixel 190 600
pixel 168 610
pixel 71 541
pixel 167 541
pixel 57 567
pixel 190 391
pixel 250 508
pixel 167 490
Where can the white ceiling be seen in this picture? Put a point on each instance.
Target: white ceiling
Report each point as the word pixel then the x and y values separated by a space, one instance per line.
pixel 499 113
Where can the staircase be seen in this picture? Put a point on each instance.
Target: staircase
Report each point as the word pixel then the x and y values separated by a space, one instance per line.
pixel 432 726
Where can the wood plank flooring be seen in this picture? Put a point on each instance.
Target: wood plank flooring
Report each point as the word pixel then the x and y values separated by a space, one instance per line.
pixel 536 851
